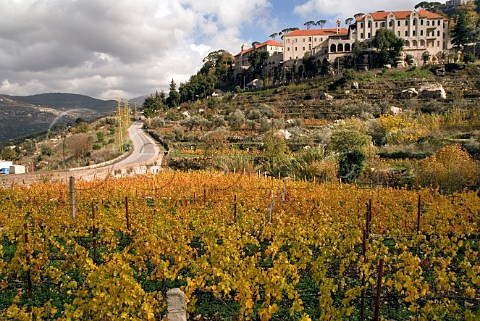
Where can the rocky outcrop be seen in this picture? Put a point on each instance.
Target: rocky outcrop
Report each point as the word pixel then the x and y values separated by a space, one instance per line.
pixel 432 91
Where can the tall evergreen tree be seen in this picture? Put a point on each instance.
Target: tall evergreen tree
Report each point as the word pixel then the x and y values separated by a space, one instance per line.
pixel 173 99
pixel 461 32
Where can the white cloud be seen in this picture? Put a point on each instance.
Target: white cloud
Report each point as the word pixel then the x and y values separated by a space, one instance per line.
pixel 105 49
pixel 343 9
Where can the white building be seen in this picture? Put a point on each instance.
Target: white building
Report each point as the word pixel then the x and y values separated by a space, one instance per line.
pixel 299 42
pixel 273 48
pixel 422 31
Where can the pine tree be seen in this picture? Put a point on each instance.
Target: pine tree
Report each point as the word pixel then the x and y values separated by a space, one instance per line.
pixel 461 33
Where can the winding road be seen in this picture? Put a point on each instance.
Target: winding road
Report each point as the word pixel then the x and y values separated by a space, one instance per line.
pixel 145 148
pixel 145 153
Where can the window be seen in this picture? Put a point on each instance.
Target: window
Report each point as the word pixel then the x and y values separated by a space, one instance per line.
pixel 295 48
pixel 383 24
pixel 309 39
pixel 288 49
pixel 438 43
pixel 414 22
pixel 369 35
pixel 361 35
pixel 288 40
pixel 438 22
pixel 406 22
pixel 303 48
pixel 303 39
pixel 369 24
pixel 391 24
pixel 398 23
pixel 361 25
pixel 398 33
pixel 421 22
pixel 406 33
pixel 421 32
pixel 414 33
pixel 438 33
pixel 376 24
pixel 428 22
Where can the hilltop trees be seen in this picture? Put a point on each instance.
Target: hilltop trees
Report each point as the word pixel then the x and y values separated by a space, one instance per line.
pixel 308 24
pixel 427 5
pixel 321 23
pixel 154 103
pixel 216 72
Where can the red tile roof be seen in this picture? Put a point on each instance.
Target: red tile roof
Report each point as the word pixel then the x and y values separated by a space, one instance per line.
pixel 429 15
pixel 272 43
pixel 382 15
pixel 317 32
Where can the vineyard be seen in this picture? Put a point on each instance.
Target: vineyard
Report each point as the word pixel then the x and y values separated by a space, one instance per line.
pixel 242 247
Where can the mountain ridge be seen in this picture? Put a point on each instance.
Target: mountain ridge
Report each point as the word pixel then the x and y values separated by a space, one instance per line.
pixel 23 116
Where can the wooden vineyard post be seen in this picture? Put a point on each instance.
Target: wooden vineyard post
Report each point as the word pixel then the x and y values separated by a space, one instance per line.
pixel 364 251
pixel 94 234
pixel 127 218
pixel 27 260
pixel 379 289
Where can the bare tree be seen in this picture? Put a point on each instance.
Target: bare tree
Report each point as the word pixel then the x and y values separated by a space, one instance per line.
pixel 80 144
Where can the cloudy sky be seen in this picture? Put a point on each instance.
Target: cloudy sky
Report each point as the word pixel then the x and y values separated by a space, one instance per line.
pixel 112 49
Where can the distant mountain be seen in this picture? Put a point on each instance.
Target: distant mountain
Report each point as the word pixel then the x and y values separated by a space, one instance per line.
pixel 139 100
pixel 22 116
pixel 64 101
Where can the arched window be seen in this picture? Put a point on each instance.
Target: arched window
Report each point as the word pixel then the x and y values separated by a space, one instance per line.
pixel 333 48
pixel 414 42
pixel 340 47
pixel 407 43
pixel 422 43
pixel 347 47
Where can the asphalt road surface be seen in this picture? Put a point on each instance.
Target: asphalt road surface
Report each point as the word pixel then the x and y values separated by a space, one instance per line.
pixel 144 147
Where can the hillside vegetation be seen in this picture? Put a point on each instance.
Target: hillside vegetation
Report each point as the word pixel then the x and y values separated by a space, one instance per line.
pixel 374 127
